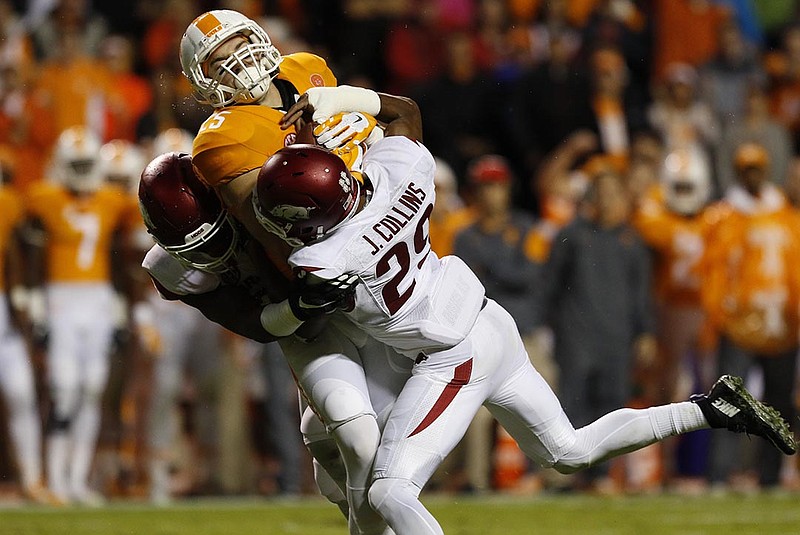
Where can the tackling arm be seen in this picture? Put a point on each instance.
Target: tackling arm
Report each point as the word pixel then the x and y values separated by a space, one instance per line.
pixel 401 115
pixel 233 308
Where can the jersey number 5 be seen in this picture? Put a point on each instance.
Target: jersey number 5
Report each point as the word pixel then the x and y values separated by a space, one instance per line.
pixel 401 253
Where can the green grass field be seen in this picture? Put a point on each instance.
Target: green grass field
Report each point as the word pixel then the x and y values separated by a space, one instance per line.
pixel 551 515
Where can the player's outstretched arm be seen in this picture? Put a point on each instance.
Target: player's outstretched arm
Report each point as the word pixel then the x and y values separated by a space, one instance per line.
pixel 400 115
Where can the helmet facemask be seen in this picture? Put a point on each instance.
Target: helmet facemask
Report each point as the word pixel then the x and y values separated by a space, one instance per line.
pixel 210 247
pixel 248 71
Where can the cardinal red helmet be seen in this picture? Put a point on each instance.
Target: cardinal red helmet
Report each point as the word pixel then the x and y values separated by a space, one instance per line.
pixel 303 192
pixel 184 215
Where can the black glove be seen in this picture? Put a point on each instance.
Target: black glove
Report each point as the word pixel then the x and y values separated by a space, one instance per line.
pixel 309 300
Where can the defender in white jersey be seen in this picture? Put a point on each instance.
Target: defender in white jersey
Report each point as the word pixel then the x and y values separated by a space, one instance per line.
pixel 206 260
pixel 466 348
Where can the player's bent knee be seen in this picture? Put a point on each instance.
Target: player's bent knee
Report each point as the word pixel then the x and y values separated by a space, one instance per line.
pixel 359 438
pixel 386 493
pixel 339 402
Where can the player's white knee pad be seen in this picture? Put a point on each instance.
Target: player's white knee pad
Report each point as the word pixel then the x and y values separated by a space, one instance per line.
pixel 339 402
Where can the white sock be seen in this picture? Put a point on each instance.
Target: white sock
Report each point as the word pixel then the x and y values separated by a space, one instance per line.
pixel 676 419
pixel 58 449
pixel 24 427
pixel 84 433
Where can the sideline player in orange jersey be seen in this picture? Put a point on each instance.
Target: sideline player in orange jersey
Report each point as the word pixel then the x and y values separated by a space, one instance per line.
pixel 16 373
pixel 673 221
pixel 79 217
pixel 234 67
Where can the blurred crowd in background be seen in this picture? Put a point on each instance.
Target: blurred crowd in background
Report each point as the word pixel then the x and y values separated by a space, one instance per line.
pixel 623 175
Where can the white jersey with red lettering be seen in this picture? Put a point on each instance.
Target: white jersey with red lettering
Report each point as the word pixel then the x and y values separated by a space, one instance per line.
pixel 406 297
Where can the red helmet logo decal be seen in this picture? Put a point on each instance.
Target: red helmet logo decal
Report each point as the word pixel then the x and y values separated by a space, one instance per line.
pixel 291 213
pixel 290 138
pixel 317 80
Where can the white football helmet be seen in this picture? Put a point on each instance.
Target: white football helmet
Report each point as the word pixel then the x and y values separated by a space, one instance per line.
pixel 75 159
pixel 173 140
pixel 251 67
pixel 687 180
pixel 121 163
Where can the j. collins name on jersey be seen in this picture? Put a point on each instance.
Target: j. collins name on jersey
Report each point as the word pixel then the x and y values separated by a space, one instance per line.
pixel 396 218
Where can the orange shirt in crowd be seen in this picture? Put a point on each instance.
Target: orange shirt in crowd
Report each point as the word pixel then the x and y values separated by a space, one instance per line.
pixel 750 279
pixel 27 134
pixel 131 98
pixel 77 92
pixel 443 230
pixel 685 32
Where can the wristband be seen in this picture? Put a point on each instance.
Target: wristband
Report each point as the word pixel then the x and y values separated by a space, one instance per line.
pixel 328 101
pixel 278 319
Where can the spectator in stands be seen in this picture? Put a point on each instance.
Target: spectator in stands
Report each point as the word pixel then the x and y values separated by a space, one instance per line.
pixel 26 128
pixel 783 67
pixel 595 292
pixel 755 125
pixel 617 110
pixel 685 31
pixel 493 247
pixel 680 116
pixel 77 87
pixel 461 106
pixel 533 40
pixel 548 104
pixel 750 294
pixel 450 214
pixel 69 17
pixel 132 96
pixel 726 79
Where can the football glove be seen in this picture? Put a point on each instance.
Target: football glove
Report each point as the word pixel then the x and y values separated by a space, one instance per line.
pixel 344 128
pixel 312 300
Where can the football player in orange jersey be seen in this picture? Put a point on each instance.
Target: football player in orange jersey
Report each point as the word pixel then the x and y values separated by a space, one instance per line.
pixel 79 217
pixel 672 220
pixel 234 67
pixel 16 373
pixel 751 294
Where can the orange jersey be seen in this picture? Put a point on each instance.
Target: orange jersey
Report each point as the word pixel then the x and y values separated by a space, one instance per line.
pixel 750 284
pixel 679 243
pixel 443 231
pixel 11 213
pixel 79 229
pixel 238 139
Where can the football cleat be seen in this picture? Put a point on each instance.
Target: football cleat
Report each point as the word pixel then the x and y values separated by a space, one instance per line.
pixel 730 406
